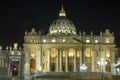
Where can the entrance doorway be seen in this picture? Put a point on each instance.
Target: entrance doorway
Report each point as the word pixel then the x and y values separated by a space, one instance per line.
pixel 53 66
pixel 14 68
pixel 70 67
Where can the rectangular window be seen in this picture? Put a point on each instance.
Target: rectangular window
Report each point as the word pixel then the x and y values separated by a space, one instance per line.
pixel 44 40
pixel 2 62
pixel 96 41
pixel 53 40
pixel 87 41
pixel 107 40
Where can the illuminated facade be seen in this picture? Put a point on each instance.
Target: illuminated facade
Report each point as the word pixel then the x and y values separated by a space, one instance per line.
pixel 63 50
pixel 11 61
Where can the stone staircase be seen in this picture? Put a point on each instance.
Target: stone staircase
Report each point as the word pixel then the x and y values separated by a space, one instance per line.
pixel 74 76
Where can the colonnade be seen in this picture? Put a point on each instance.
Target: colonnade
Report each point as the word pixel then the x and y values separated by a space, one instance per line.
pixel 61 60
pixel 65 60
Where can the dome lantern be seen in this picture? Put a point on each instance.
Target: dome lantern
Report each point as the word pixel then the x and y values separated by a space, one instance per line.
pixel 62 12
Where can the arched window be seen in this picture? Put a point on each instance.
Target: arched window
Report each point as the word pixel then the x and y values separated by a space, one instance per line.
pixel 32 65
pixel 33 53
pixel 107 53
pixel 87 53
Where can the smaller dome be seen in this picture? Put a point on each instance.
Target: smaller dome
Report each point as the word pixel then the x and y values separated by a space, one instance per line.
pixel 62 25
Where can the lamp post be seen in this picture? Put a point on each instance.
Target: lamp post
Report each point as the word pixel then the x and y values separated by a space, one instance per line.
pixel 102 62
pixel 83 67
pixel 35 75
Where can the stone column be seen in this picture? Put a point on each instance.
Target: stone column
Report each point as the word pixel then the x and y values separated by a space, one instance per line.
pixel 60 60
pixel 84 59
pixel 66 69
pixel 92 61
pixel 49 60
pixel 41 58
pixel 75 61
pixel 19 73
pixel 81 60
pixel 27 68
pixel 9 67
pixel 37 58
pixel 57 62
pixel 27 64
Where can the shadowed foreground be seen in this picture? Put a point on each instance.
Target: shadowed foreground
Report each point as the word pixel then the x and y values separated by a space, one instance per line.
pixel 69 76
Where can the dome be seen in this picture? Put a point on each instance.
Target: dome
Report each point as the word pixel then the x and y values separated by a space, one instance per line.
pixel 62 25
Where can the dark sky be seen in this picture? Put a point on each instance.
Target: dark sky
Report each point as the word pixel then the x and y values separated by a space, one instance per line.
pixel 17 16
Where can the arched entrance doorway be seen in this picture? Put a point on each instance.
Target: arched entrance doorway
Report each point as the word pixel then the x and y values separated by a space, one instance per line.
pixel 53 56
pixel 108 66
pixel 63 60
pixel 32 65
pixel 87 54
pixel 71 55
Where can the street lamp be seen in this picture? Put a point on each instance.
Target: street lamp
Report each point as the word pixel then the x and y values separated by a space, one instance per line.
pixel 102 62
pixel 83 67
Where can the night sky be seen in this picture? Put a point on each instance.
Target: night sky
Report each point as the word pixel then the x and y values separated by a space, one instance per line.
pixel 17 16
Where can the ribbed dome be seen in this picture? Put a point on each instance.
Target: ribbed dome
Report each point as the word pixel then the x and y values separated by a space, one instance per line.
pixel 62 25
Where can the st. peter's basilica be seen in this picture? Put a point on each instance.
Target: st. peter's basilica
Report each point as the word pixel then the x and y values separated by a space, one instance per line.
pixel 62 49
